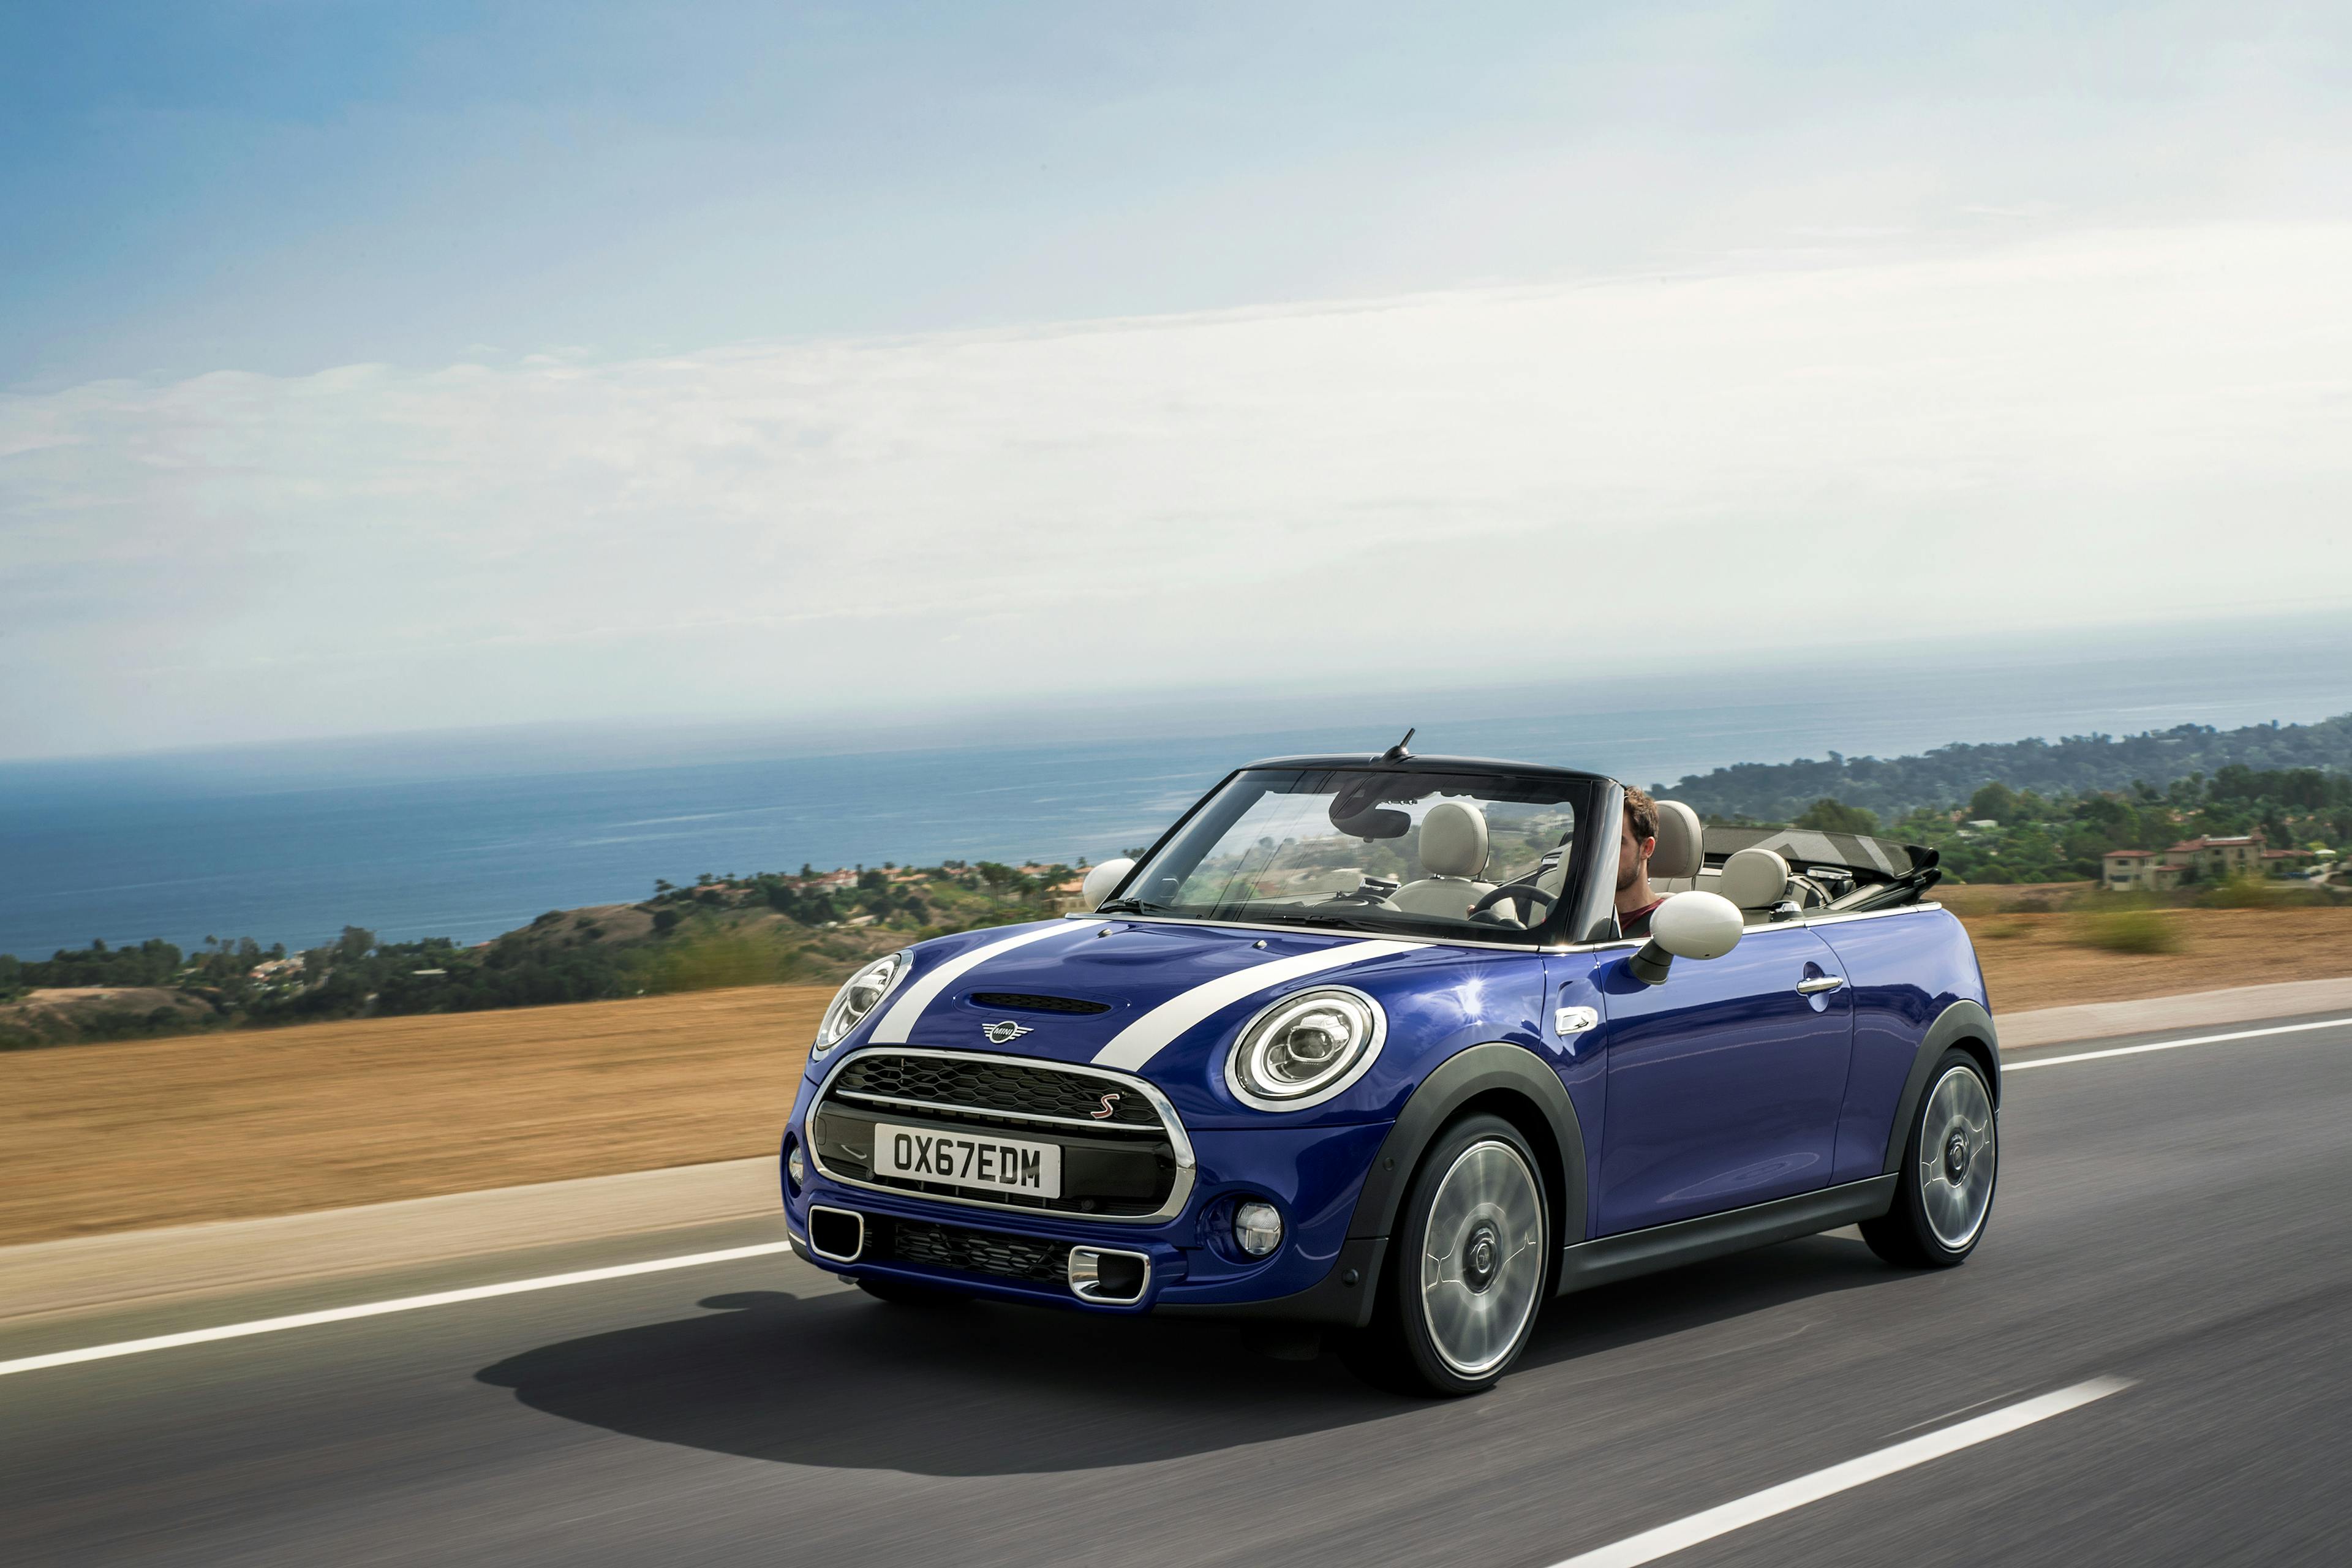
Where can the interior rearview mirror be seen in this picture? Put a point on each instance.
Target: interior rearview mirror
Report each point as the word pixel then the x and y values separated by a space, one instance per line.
pixel 1102 880
pixel 1687 925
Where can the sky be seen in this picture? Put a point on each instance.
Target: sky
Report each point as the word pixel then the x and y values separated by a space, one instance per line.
pixel 383 368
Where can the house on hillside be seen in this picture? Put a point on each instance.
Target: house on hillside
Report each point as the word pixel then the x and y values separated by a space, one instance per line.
pixel 2218 859
pixel 2137 871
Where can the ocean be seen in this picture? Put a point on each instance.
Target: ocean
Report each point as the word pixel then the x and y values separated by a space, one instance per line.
pixel 467 837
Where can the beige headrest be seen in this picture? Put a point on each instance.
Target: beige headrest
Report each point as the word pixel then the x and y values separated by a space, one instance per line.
pixel 1681 851
pixel 1454 840
pixel 1755 879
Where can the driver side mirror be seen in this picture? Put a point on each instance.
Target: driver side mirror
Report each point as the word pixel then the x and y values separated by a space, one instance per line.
pixel 1102 880
pixel 1687 925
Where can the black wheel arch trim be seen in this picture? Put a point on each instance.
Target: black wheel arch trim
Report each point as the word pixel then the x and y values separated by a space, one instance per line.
pixel 1346 1293
pixel 1963 1020
pixel 1497 1067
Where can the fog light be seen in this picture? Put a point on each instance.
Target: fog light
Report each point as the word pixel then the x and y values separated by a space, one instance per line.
pixel 1258 1228
pixel 796 1166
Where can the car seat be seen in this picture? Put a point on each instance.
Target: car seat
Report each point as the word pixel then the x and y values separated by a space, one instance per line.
pixel 1453 848
pixel 1757 881
pixel 1680 855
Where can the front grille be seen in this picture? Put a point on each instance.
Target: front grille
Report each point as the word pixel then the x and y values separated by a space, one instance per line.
pixel 978 1252
pixel 981 1087
pixel 1030 1002
pixel 1126 1165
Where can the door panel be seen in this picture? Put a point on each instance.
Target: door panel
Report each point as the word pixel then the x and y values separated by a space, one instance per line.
pixel 1724 1084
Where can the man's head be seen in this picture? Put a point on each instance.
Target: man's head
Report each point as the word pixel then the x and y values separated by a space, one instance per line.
pixel 1638 839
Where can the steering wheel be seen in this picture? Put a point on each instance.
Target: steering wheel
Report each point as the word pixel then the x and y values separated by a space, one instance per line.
pixel 1528 891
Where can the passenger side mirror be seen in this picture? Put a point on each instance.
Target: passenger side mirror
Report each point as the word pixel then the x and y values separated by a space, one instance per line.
pixel 1102 880
pixel 1687 925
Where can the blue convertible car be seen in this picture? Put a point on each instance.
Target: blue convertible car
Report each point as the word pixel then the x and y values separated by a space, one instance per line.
pixel 1359 1043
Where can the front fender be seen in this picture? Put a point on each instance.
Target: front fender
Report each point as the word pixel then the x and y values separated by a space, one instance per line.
pixel 1511 1078
pixel 1495 1068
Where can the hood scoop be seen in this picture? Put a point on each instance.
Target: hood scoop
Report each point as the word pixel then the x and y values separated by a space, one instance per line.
pixel 1031 1002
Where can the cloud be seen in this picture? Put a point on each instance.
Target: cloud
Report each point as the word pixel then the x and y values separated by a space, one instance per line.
pixel 1500 483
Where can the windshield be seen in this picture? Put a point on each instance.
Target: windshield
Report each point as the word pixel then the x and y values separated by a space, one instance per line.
pixel 1482 855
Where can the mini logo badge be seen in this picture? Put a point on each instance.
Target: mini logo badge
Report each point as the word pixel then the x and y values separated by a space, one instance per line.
pixel 1109 1105
pixel 1003 1032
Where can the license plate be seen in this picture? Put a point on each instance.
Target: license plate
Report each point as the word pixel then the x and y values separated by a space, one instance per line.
pixel 989 1163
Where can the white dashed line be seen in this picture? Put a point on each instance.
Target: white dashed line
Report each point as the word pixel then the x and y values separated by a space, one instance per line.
pixel 1667 1539
pixel 378 1309
pixel 2008 1067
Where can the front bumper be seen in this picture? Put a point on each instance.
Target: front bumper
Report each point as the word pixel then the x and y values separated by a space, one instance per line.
pixel 1312 1175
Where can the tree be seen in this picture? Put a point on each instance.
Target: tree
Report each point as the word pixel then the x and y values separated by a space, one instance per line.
pixel 1828 815
pixel 1995 801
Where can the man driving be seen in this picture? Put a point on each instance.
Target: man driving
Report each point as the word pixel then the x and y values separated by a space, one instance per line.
pixel 1637 840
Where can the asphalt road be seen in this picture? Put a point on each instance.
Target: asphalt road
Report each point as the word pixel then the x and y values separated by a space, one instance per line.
pixel 2176 1218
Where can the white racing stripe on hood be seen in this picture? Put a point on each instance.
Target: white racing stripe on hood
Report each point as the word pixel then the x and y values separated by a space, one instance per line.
pixel 1148 1036
pixel 896 1023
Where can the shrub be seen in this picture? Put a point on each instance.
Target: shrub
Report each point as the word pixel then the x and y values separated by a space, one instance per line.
pixel 721 957
pixel 2245 893
pixel 2132 929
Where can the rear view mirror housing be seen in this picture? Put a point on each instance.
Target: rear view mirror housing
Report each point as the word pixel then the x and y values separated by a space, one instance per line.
pixel 1687 925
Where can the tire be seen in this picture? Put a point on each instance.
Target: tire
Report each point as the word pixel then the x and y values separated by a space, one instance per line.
pixel 1951 1160
pixel 1465 1276
pixel 900 1293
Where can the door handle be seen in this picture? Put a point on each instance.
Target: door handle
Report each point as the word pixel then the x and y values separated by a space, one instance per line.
pixel 1818 984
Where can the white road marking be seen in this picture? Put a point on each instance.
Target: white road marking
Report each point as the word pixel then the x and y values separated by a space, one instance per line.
pixel 897 1025
pixel 1140 1041
pixel 1331 959
pixel 2008 1067
pixel 1667 1539
pixel 378 1309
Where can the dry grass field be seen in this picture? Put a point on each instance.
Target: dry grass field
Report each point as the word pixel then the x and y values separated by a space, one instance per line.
pixel 117 1137
pixel 262 1121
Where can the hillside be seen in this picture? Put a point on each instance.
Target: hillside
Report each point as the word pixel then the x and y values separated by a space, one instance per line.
pixel 1949 775
pixel 767 929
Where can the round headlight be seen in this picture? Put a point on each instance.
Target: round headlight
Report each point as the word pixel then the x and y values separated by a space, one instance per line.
pixel 1305 1048
pixel 859 996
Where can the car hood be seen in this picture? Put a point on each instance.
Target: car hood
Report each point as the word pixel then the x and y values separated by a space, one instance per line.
pixel 1170 995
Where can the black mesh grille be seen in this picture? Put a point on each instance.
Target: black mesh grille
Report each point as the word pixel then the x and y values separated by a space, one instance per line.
pixel 1117 1178
pixel 980 1252
pixel 1030 1002
pixel 984 1087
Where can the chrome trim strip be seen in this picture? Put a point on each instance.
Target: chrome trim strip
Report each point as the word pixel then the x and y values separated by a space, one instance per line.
pixel 1085 1281
pixel 1558 947
pixel 816 1251
pixel 1090 1126
pixel 1298 930
pixel 1179 1193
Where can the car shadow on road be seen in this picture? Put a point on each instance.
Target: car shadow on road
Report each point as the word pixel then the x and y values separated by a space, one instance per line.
pixel 842 1381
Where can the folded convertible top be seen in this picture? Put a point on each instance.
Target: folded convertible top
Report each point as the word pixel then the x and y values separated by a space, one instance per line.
pixel 1800 847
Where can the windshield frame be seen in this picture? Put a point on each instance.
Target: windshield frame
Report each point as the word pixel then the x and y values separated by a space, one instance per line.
pixel 1580 914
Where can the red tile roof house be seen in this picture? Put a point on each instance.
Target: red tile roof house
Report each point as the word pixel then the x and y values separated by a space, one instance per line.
pixel 2218 860
pixel 2137 870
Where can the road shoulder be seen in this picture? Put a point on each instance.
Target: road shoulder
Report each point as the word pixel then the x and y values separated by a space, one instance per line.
pixel 148 1267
